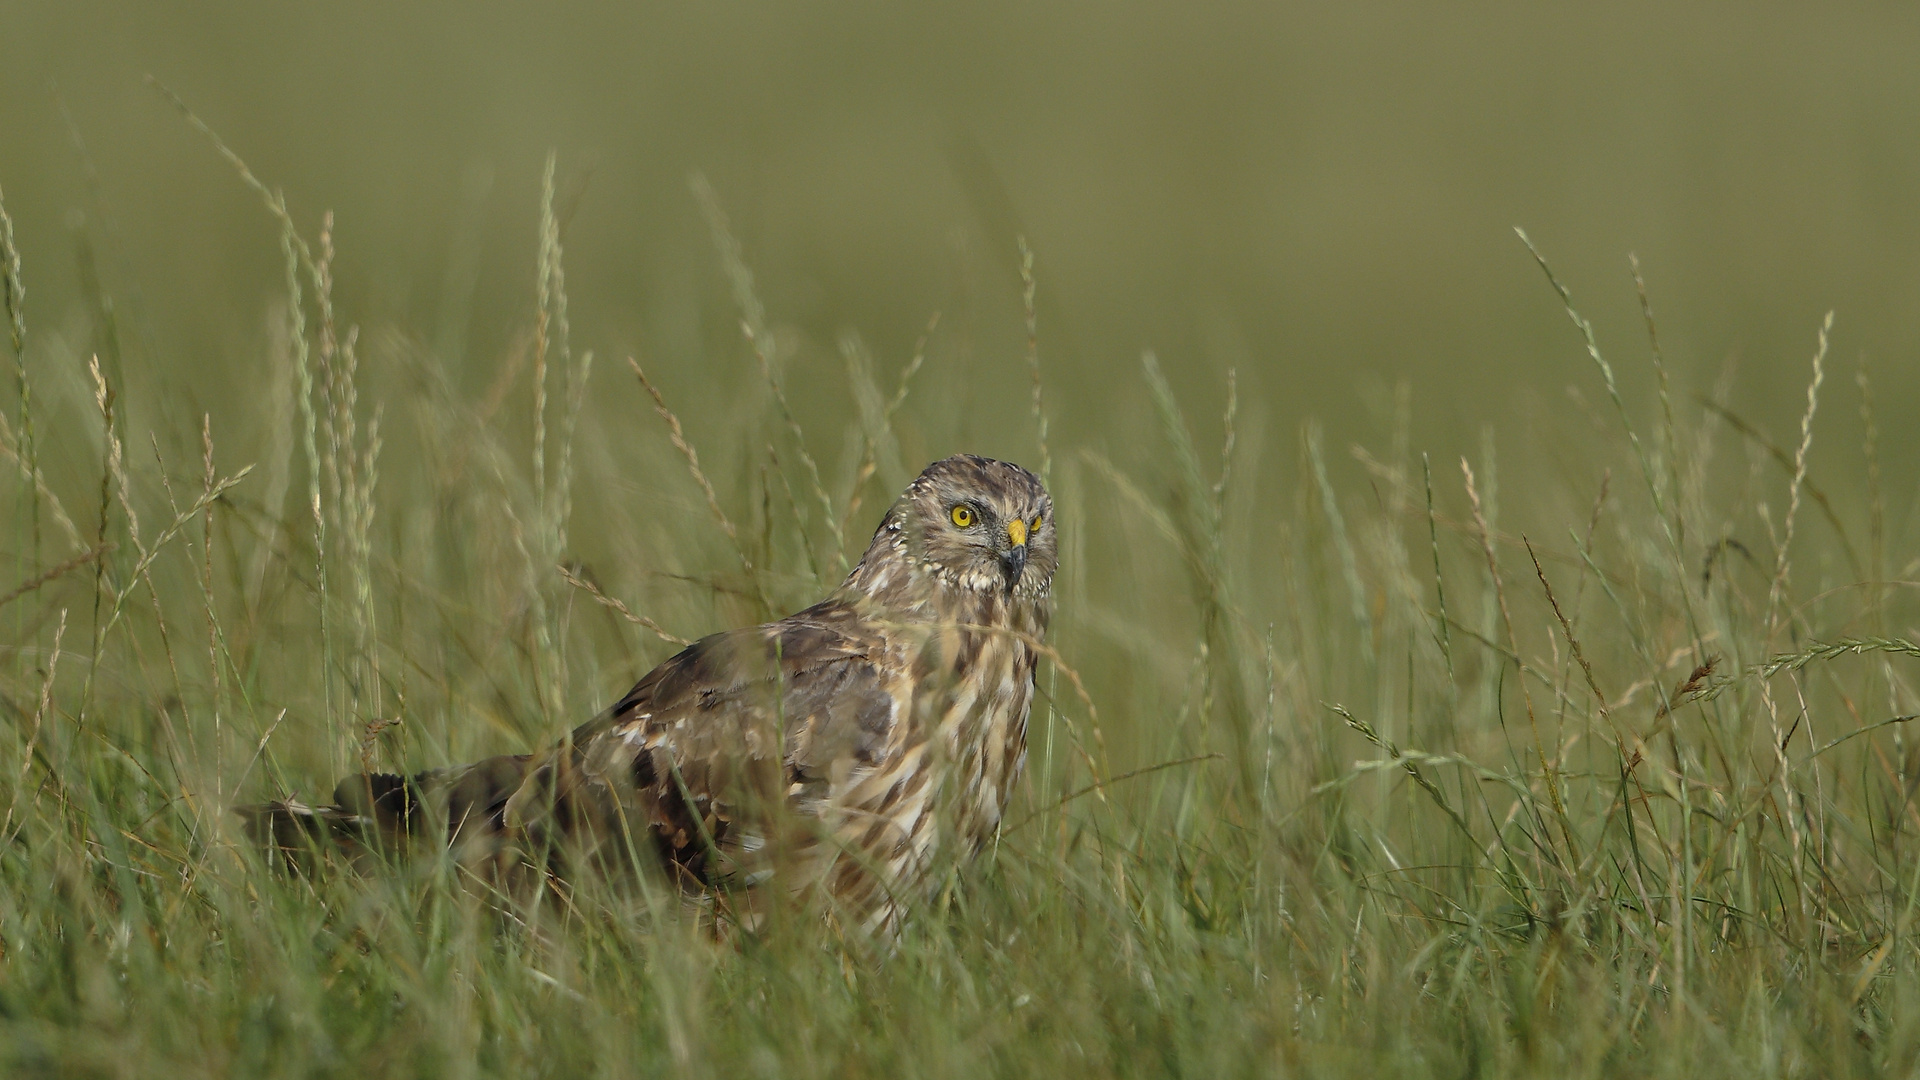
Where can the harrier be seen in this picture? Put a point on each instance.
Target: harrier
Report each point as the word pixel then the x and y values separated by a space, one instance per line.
pixel 833 752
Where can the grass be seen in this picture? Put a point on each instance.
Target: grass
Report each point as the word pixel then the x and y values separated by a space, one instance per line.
pixel 1324 781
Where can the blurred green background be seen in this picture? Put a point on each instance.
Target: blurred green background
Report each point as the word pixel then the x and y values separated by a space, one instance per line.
pixel 1322 194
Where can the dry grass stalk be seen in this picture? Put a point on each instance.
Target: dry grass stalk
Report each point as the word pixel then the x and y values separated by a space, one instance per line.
pixel 615 605
pixel 215 672
pixel 1028 289
pixel 1342 542
pixel 753 326
pixel 34 728
pixel 1439 579
pixel 1670 445
pixel 678 437
pixel 13 294
pixel 298 257
pixel 1547 765
pixel 14 447
pixel 1785 460
pixel 12 291
pixel 1777 591
pixel 53 573
pixel 875 435
pixel 1606 374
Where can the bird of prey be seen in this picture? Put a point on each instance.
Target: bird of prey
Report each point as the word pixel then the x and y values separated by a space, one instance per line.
pixel 831 753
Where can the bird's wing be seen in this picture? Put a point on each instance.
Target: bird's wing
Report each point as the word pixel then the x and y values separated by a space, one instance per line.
pixel 735 726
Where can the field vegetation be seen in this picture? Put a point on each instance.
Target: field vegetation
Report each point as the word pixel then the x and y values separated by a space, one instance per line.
pixel 1328 777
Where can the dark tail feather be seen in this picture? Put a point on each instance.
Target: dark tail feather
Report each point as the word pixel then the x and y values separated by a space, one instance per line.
pixel 369 811
pixel 382 812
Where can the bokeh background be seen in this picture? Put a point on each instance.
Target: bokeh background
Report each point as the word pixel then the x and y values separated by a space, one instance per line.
pixel 1321 195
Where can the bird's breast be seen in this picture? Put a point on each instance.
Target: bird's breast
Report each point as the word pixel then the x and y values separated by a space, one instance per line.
pixel 981 733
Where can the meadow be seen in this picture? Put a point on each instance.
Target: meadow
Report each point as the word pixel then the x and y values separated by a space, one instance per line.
pixel 1328 778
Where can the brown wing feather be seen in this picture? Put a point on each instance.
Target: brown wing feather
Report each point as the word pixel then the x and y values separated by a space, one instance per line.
pixel 703 751
pixel 691 761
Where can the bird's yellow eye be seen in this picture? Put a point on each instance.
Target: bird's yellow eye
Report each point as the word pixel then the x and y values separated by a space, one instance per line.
pixel 1034 525
pixel 963 516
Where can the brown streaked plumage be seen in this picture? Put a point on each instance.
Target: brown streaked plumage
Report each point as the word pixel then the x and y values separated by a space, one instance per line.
pixel 835 751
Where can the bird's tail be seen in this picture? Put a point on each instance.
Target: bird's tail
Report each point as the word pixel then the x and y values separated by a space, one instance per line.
pixel 385 813
pixel 371 811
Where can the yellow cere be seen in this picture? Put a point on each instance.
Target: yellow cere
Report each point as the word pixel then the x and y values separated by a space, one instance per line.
pixel 963 516
pixel 1017 532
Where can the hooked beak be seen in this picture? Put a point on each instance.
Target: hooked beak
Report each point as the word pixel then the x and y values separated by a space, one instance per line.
pixel 1015 558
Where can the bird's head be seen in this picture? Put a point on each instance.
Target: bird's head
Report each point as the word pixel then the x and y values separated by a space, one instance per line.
pixel 975 524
